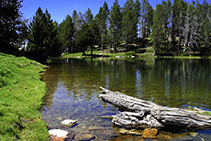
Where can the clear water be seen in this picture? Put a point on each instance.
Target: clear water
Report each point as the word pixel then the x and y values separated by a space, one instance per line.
pixel 73 89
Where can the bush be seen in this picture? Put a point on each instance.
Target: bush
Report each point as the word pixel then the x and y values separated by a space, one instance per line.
pixel 130 53
pixel 140 50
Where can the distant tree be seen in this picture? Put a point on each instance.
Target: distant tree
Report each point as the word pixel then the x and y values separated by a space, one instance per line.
pixel 143 21
pixel 192 27
pixel 84 38
pixel 158 35
pixel 43 36
pixel 77 21
pixel 146 20
pixel 95 32
pixel 66 33
pixel 115 23
pixel 102 21
pixel 205 29
pixel 88 17
pixel 11 25
pixel 130 16
pixel 178 19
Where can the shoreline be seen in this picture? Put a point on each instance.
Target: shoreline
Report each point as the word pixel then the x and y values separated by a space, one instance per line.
pixel 21 99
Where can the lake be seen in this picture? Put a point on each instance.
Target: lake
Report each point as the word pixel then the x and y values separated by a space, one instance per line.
pixel 73 89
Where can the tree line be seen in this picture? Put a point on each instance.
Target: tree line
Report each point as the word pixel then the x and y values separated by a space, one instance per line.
pixel 170 28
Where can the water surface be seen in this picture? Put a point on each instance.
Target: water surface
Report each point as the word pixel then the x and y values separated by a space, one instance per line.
pixel 73 89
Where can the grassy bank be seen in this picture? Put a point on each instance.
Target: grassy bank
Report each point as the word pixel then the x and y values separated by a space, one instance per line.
pixel 147 53
pixel 118 55
pixel 21 97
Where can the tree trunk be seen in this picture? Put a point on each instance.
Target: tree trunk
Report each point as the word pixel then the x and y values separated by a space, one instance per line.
pixel 141 114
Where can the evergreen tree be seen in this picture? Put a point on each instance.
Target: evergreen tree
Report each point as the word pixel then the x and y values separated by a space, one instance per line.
pixel 115 21
pixel 77 21
pixel 66 33
pixel 88 17
pixel 43 36
pixel 146 20
pixel 178 19
pixel 102 21
pixel 158 35
pixel 130 16
pixel 84 38
pixel 95 34
pixel 192 28
pixel 144 9
pixel 205 29
pixel 11 25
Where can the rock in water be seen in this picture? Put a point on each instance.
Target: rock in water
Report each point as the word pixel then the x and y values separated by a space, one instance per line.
pixel 150 133
pixel 84 137
pixel 58 133
pixel 68 122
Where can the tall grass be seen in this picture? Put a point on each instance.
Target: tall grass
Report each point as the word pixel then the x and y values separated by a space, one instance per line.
pixel 21 97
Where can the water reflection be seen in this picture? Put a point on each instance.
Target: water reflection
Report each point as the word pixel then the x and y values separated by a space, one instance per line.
pixel 73 87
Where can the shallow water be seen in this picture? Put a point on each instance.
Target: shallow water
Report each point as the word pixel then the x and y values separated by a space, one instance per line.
pixel 73 89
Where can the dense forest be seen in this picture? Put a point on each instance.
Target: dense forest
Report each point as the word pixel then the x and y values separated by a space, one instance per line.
pixel 171 28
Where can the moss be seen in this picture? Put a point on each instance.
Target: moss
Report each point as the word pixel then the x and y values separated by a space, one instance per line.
pixel 21 96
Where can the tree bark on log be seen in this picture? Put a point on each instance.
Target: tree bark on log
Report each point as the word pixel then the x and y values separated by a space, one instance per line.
pixel 142 114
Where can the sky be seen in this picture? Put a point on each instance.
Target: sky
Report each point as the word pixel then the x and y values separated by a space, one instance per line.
pixel 59 9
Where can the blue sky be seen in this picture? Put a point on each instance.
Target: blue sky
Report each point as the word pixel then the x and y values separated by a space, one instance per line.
pixel 59 9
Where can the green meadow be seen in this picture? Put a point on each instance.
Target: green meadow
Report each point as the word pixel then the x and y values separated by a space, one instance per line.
pixel 21 97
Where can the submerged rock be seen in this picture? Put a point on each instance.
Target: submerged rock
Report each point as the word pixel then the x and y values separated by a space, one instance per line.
pixel 150 133
pixel 69 137
pixel 58 133
pixel 68 122
pixel 84 137
pixel 128 132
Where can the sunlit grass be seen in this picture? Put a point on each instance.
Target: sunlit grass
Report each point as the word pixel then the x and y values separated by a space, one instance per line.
pixel 21 95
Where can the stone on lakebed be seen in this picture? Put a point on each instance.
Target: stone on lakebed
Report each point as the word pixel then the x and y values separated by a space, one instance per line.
pixel 58 133
pixel 68 122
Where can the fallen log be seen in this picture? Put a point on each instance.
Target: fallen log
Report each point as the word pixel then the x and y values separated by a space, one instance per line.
pixel 142 114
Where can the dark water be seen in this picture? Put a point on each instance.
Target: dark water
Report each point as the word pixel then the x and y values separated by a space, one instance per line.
pixel 73 89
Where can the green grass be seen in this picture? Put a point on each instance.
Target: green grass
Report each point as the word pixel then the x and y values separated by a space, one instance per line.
pixel 105 53
pixel 21 97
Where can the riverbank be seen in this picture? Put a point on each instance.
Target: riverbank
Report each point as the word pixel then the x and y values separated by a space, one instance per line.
pixel 21 98
pixel 145 53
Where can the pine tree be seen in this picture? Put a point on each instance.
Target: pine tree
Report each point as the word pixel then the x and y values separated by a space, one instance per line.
pixel 115 21
pixel 95 34
pixel 192 28
pixel 130 16
pixel 205 30
pixel 66 33
pixel 77 21
pixel 84 38
pixel 158 35
pixel 102 21
pixel 11 25
pixel 43 35
pixel 178 19
pixel 88 17
pixel 146 20
pixel 144 9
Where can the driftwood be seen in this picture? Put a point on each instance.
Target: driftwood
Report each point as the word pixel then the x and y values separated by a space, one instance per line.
pixel 141 114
